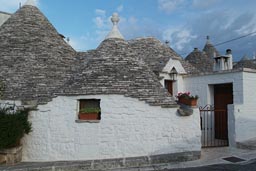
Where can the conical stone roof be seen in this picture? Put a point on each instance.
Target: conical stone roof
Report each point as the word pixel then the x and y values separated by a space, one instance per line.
pixel 116 69
pixel 209 49
pixel 34 59
pixel 200 61
pixel 245 62
pixel 153 52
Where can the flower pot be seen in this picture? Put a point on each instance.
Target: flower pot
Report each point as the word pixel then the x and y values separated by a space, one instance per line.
pixel 11 156
pixel 88 116
pixel 186 101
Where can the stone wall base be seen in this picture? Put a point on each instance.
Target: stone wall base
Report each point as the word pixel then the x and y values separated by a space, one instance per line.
pixel 11 156
pixel 109 164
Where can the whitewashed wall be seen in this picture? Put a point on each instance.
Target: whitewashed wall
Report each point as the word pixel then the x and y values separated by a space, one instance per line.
pixel 128 128
pixel 202 85
pixel 177 85
pixel 4 17
pixel 241 115
pixel 245 115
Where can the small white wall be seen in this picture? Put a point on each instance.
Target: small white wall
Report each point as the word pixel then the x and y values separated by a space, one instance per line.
pixel 3 17
pixel 241 114
pixel 245 115
pixel 177 84
pixel 201 85
pixel 128 128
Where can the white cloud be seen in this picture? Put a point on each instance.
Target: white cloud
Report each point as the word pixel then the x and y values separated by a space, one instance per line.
pixel 99 21
pixel 120 8
pixel 169 6
pixel 83 43
pixel 178 37
pixel 12 5
pixel 221 26
pixel 248 26
pixel 133 20
pixel 204 4
pixel 100 12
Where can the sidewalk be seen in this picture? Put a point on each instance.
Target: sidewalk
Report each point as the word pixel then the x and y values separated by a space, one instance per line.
pixel 209 156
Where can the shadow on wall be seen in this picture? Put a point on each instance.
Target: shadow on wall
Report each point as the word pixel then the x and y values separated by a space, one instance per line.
pixel 168 157
pixel 245 128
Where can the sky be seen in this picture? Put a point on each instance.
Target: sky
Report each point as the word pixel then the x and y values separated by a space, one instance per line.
pixel 184 23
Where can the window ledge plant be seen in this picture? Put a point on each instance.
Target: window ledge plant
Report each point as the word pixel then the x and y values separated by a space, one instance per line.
pixel 90 113
pixel 187 99
pixel 90 110
pixel 186 95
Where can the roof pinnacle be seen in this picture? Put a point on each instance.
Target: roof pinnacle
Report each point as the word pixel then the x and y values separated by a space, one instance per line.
pixel 207 39
pixel 30 2
pixel 115 33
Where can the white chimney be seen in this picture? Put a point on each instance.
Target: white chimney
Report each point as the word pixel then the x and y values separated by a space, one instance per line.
pixel 230 59
pixel 224 62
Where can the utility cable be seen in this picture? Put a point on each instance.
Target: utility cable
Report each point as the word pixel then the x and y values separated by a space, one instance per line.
pixel 231 40
pixel 218 44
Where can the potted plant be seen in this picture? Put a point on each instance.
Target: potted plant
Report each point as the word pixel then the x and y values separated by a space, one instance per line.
pixel 89 113
pixel 14 125
pixel 187 99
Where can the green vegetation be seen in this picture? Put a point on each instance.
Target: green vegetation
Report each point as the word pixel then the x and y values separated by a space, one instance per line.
pixel 90 110
pixel 13 126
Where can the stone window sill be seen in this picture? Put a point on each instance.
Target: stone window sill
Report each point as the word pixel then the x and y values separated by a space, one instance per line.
pixel 87 121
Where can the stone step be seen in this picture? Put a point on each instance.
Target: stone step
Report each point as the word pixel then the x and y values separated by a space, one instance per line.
pixel 248 144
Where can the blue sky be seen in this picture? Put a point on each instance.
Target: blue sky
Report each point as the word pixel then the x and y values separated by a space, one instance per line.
pixel 185 23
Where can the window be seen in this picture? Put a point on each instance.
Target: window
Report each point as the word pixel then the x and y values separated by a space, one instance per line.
pixel 89 109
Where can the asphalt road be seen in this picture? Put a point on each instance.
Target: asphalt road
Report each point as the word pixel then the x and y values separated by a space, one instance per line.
pixel 248 166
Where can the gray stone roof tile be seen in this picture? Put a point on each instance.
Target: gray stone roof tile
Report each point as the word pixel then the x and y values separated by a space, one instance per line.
pixel 249 63
pixel 116 69
pixel 34 59
pixel 153 52
pixel 200 61
pixel 37 64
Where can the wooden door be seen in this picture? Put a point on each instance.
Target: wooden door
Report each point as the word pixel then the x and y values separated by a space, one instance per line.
pixel 169 86
pixel 223 95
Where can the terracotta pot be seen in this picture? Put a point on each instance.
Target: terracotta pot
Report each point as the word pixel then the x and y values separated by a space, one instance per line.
pixel 189 102
pixel 88 116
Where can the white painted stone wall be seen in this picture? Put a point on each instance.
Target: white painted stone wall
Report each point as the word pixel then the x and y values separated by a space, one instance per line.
pixel 128 128
pixel 202 85
pixel 245 114
pixel 241 115
pixel 177 85
pixel 165 74
pixel 3 17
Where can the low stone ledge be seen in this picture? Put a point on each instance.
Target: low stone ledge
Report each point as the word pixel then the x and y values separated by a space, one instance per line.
pixel 248 144
pixel 107 164
pixel 11 156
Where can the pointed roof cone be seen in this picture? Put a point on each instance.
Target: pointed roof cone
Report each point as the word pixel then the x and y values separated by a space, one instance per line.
pixel 34 59
pixel 200 60
pixel 115 33
pixel 245 58
pixel 153 52
pixel 209 49
pixel 115 70
pixel 245 62
pixel 30 2
pixel 208 40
